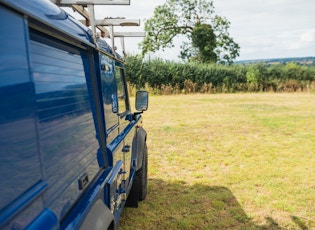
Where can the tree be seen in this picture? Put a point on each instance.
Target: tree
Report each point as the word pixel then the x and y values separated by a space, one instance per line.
pixel 204 40
pixel 207 33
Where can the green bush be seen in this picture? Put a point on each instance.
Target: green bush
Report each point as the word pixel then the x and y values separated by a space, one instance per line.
pixel 167 77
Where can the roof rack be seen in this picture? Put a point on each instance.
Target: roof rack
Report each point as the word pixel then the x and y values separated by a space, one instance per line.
pixel 91 2
pixel 86 9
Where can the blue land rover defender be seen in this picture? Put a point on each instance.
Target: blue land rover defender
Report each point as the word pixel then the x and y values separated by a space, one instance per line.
pixel 72 154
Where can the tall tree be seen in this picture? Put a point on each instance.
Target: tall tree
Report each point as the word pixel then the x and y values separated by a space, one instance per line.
pixel 204 40
pixel 207 33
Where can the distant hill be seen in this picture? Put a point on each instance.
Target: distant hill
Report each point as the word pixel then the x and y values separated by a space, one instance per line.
pixel 309 61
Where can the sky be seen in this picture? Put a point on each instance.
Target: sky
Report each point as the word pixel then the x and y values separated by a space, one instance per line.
pixel 264 29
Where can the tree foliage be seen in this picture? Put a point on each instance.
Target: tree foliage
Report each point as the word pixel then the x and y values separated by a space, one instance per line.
pixel 207 33
pixel 204 39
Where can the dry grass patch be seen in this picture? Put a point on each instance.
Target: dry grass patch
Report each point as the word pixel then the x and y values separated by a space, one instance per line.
pixel 229 161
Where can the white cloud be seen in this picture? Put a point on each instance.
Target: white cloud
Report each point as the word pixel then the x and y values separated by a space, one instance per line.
pixel 308 36
pixel 263 28
pixel 304 40
pixel 268 28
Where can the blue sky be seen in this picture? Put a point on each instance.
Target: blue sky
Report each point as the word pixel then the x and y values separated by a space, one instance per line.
pixel 262 28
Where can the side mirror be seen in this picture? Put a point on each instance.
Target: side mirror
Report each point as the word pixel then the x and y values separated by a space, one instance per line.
pixel 142 100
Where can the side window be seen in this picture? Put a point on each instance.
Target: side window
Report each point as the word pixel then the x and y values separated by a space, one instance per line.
pixel 66 130
pixel 109 91
pixel 122 106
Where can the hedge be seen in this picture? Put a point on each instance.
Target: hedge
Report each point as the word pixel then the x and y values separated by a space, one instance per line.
pixel 172 77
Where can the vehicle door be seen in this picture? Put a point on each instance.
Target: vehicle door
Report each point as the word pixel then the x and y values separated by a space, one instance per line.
pixel 126 128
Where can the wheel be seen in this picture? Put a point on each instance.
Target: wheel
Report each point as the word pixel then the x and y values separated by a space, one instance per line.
pixel 142 174
pixel 139 188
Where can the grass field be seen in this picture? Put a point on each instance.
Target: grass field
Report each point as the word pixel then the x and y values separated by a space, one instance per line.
pixel 229 161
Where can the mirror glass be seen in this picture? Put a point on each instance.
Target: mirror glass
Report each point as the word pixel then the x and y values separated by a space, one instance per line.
pixel 142 100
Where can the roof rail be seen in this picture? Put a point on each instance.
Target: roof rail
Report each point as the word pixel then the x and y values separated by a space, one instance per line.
pixel 86 9
pixel 90 2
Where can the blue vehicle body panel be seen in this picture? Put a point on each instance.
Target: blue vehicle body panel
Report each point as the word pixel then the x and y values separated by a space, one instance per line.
pixel 19 161
pixel 64 136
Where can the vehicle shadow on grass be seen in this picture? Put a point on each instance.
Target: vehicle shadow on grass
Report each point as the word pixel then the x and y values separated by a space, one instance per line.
pixel 177 205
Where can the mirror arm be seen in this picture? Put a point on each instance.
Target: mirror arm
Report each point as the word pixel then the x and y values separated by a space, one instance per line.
pixel 132 116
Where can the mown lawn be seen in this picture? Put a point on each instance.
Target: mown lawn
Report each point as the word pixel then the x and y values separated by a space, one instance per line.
pixel 229 161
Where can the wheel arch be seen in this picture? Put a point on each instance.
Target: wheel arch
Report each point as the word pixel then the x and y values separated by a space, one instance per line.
pixel 140 142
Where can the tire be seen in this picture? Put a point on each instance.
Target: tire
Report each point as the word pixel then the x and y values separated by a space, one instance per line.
pixel 139 188
pixel 142 174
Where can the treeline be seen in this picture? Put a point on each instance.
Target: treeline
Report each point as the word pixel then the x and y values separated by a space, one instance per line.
pixel 307 61
pixel 167 77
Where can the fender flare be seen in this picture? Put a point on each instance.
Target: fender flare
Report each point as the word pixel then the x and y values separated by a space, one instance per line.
pixel 140 141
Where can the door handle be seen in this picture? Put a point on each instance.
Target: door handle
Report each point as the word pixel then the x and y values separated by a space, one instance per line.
pixel 126 149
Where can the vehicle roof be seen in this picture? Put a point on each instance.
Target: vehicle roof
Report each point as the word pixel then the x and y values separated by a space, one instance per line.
pixel 48 13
